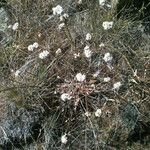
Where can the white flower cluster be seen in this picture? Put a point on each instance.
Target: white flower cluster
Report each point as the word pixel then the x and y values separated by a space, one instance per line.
pixel 61 25
pixel 80 77
pixel 87 51
pixel 57 10
pixel 64 139
pixel 43 54
pixel 15 26
pixel 107 25
pixel 65 96
pixel 102 45
pixel 88 37
pixel 33 46
pixel 17 73
pixel 107 79
pixel 117 86
pixel 79 2
pixel 64 17
pixel 98 113
pixel 102 2
pixel 87 114
pixel 76 55
pixel 107 57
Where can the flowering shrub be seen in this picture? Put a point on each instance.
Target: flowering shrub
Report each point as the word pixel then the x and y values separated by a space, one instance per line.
pixel 84 79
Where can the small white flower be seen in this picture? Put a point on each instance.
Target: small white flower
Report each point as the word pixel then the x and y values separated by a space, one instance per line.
pixel 87 51
pixel 88 37
pixel 79 2
pixel 93 85
pixel 63 17
pixel 57 10
pixel 107 79
pixel 87 114
pixel 107 57
pixel 108 5
pixel 12 71
pixel 80 77
pixel 15 26
pixel 30 48
pixel 58 51
pixel 39 35
pixel 64 139
pixel 96 74
pixel 102 45
pixel 76 55
pixel 35 45
pixel 102 2
pixel 60 26
pixel 117 85
pixel 58 77
pixel 65 96
pixel 86 47
pixel 43 54
pixel 17 73
pixel 107 25
pixel 10 27
pixel 98 112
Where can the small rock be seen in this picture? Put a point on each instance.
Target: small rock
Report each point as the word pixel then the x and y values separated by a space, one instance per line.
pixel 4 32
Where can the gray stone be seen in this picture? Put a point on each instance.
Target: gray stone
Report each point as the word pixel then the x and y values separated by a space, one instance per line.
pixel 4 21
pixel 20 126
pixel 129 115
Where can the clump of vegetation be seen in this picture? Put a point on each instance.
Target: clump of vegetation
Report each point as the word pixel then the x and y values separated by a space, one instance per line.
pixel 87 69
